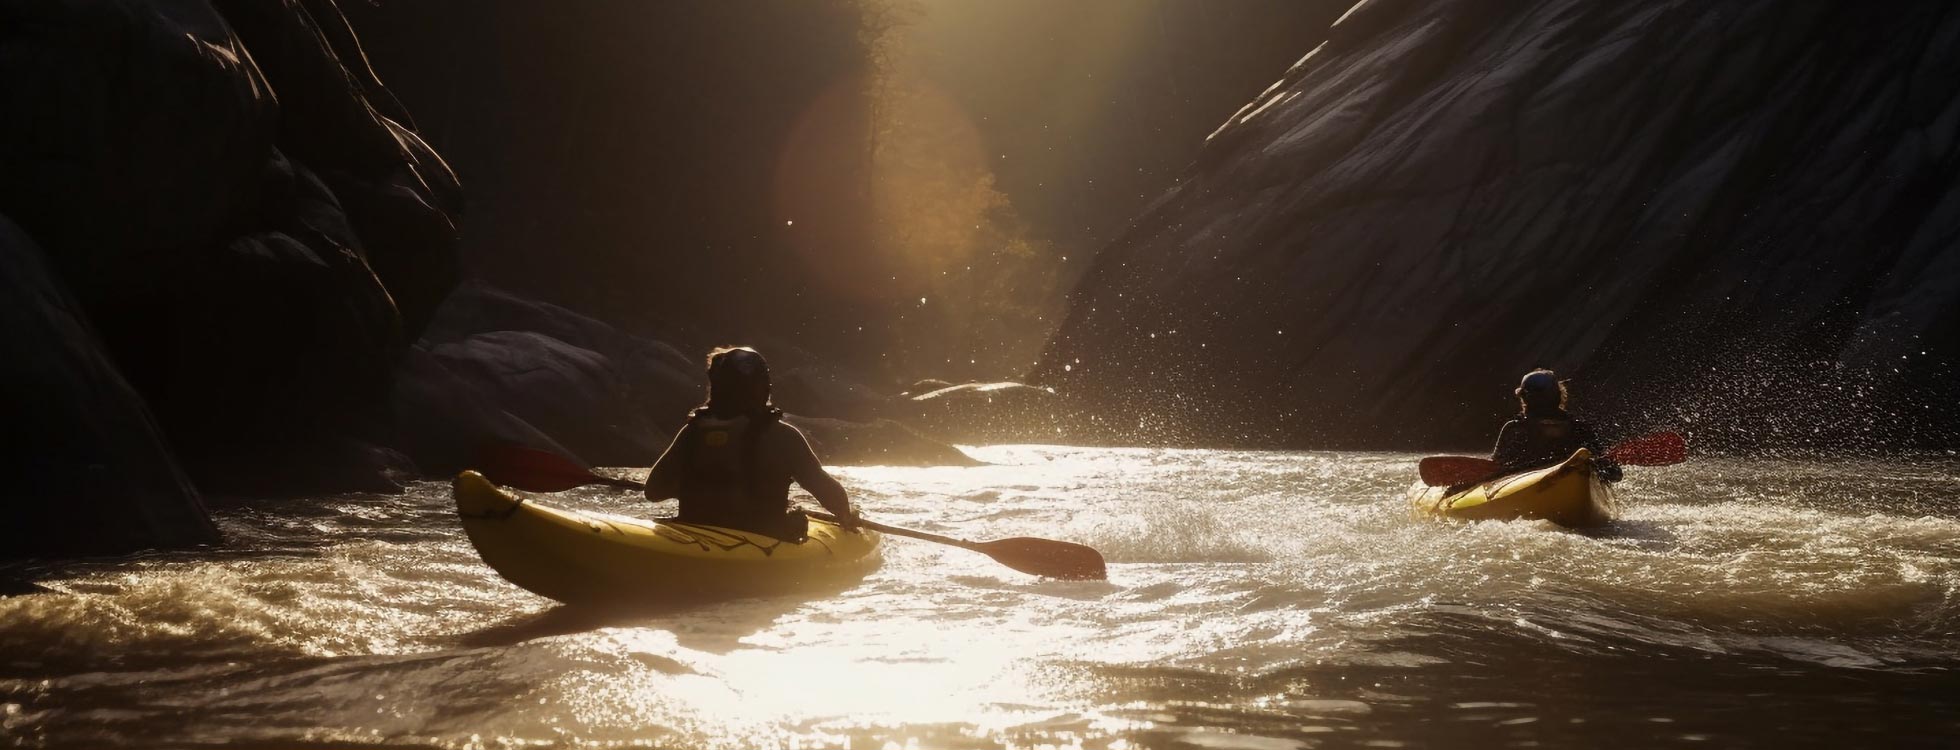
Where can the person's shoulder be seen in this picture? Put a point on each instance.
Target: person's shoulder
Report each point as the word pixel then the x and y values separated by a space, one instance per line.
pixel 781 432
pixel 784 428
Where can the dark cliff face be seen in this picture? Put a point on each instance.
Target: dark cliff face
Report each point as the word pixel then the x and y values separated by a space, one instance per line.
pixel 226 225
pixel 1735 218
pixel 78 436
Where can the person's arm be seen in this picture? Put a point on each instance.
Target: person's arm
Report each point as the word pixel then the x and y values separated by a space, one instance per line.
pixel 1608 469
pixel 664 479
pixel 1510 444
pixel 808 473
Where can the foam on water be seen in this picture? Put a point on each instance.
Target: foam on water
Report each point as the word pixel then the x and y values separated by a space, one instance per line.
pixel 1255 600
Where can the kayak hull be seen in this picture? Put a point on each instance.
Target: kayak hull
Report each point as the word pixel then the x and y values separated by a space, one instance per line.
pixel 1568 494
pixel 597 558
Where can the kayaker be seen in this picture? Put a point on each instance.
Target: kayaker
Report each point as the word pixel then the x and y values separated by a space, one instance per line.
pixel 1543 433
pixel 732 463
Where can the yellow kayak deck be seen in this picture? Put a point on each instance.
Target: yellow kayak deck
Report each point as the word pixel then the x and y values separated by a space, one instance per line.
pixel 592 558
pixel 1568 494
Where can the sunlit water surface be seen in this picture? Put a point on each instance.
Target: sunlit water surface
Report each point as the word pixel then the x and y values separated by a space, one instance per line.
pixel 1255 600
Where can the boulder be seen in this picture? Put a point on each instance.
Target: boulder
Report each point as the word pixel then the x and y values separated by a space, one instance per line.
pixel 1737 220
pixel 442 419
pixel 611 397
pixel 576 395
pixel 657 374
pixel 88 471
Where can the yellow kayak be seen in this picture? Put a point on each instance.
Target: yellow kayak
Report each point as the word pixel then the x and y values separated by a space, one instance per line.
pixel 592 558
pixel 1568 494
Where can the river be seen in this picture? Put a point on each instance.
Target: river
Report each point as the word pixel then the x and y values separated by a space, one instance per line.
pixel 1256 600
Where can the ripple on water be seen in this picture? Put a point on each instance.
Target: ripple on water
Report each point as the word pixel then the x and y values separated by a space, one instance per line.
pixel 1255 600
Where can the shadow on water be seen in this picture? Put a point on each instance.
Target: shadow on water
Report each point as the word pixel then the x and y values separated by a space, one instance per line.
pixel 563 619
pixel 1446 682
pixel 711 627
pixel 1650 535
pixel 12 584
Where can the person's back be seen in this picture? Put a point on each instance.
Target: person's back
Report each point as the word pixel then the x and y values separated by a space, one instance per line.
pixel 732 463
pixel 1543 433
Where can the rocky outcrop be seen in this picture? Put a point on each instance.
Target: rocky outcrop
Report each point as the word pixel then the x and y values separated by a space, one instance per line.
pixel 1737 219
pixel 499 367
pixel 80 435
pixel 243 220
pixel 398 195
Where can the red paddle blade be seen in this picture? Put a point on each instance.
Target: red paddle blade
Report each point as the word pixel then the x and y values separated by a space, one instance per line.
pixel 1654 449
pixel 1443 471
pixel 1067 561
pixel 531 469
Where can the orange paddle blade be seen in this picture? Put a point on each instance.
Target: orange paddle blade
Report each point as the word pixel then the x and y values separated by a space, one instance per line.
pixel 531 469
pixel 1444 471
pixel 1653 449
pixel 1067 561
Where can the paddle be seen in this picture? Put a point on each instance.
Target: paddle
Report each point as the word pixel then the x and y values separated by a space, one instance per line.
pixel 1653 449
pixel 536 470
pixel 1444 471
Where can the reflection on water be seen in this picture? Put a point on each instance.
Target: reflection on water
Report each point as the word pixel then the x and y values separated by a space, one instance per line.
pixel 1256 600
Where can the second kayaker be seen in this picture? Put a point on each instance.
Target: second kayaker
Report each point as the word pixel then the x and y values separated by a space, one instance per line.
pixel 1544 433
pixel 732 463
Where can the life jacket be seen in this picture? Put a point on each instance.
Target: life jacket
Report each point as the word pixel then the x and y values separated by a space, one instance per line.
pixel 728 493
pixel 1547 438
pixel 1551 430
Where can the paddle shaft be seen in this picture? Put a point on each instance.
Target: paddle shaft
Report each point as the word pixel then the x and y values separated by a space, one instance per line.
pixel 628 484
pixel 897 531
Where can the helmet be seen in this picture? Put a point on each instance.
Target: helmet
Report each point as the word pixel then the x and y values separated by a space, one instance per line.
pixel 1540 391
pixel 737 362
pixel 1538 381
pixel 738 380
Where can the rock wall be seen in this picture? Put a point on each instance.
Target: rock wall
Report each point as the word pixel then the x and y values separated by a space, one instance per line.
pixel 78 435
pixel 1735 218
pixel 229 263
pixel 494 366
pixel 249 234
